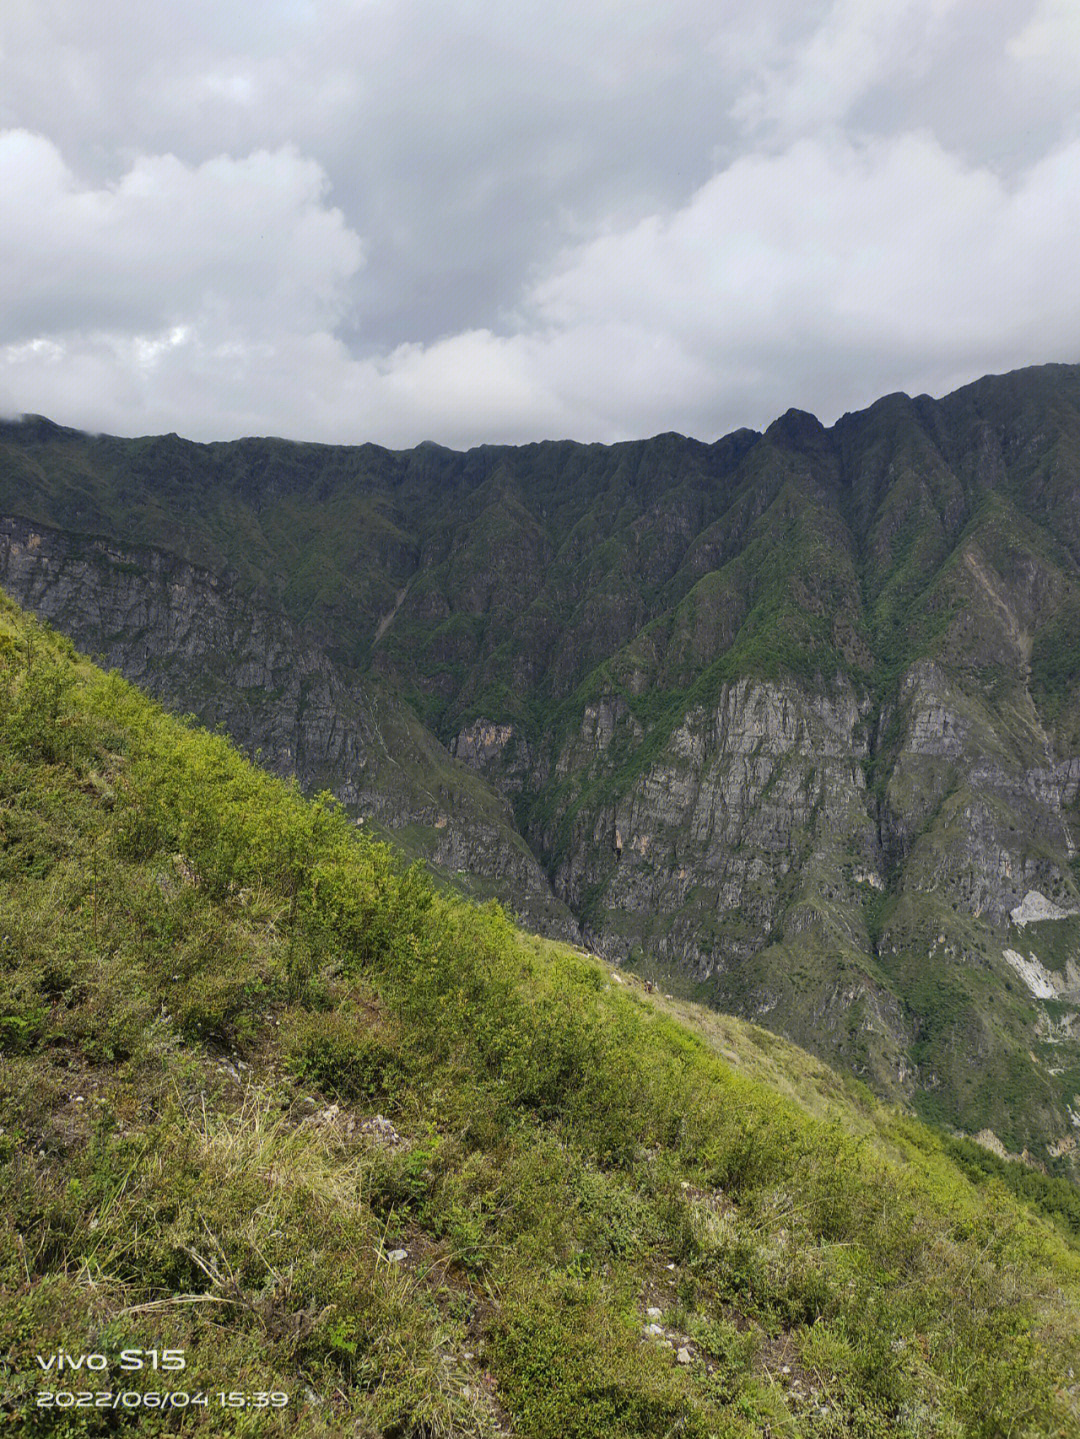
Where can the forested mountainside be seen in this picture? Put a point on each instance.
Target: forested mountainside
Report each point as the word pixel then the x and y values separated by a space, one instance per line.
pixel 791 719
pixel 372 1162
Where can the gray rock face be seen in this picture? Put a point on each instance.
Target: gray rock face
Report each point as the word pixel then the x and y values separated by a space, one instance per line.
pixel 751 854
pixel 1001 809
pixel 190 638
pixel 1035 908
pixel 499 752
pixel 712 829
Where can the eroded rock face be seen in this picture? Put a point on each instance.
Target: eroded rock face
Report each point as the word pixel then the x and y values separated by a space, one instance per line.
pixel 482 742
pixel 720 818
pixel 968 814
pixel 499 752
pixel 749 839
pixel 751 854
pixel 1035 907
pixel 185 635
pixel 1042 982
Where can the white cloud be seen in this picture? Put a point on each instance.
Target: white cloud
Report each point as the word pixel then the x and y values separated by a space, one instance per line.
pixel 831 271
pixel 235 243
pixel 1051 37
pixel 855 46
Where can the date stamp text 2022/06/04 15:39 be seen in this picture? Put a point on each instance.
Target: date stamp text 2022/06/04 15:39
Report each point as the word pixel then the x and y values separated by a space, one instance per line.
pixel 65 1371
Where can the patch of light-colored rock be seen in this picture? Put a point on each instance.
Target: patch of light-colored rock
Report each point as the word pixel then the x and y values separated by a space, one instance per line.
pixel 1035 907
pixel 1032 973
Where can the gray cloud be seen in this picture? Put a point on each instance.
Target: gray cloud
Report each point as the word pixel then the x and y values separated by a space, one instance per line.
pixel 397 221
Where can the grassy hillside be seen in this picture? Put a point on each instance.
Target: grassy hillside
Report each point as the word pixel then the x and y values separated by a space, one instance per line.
pixel 269 1100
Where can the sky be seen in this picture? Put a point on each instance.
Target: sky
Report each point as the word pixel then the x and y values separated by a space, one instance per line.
pixel 394 221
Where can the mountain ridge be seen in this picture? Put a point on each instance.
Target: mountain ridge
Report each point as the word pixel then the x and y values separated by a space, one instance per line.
pixel 790 719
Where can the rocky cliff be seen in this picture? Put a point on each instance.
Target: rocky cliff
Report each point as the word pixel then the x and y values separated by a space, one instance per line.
pixel 791 721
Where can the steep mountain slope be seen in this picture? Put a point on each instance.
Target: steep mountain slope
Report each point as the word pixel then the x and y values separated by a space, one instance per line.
pixel 370 1161
pixel 792 719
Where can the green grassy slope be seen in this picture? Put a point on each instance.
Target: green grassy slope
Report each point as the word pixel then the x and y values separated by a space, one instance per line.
pixel 212 987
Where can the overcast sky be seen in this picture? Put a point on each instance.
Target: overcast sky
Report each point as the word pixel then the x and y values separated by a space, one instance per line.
pixel 389 220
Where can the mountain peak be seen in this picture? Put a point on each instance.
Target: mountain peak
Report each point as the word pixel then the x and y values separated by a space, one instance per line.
pixel 796 428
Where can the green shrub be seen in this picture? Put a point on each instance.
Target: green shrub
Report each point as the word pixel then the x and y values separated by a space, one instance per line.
pixel 571 1368
pixel 351 1055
